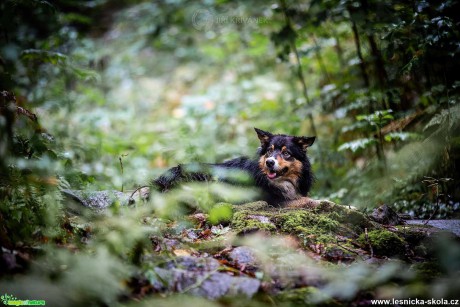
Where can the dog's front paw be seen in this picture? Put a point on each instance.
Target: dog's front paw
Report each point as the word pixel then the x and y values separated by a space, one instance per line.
pixel 303 202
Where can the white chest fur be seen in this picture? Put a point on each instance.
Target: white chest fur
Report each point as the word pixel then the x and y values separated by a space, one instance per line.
pixel 287 188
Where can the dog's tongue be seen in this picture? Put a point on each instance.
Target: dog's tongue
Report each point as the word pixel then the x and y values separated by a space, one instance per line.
pixel 271 175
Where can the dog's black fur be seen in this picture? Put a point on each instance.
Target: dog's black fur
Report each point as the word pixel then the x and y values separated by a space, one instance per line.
pixel 281 169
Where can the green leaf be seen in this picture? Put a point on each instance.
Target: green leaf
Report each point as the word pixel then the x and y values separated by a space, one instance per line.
pixel 17 215
pixel 221 212
pixel 401 136
pixel 378 118
pixel 357 145
pixel 43 56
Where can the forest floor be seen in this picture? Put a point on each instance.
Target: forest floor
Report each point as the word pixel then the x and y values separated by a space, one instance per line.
pixel 292 254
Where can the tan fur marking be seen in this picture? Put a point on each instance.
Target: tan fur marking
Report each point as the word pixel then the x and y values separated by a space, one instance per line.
pixel 288 182
pixel 294 170
pixel 262 164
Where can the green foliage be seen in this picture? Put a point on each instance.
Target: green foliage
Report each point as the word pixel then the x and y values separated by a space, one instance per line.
pixel 43 56
pixel 378 118
pixel 65 278
pixel 220 213
pixel 383 242
pixel 356 145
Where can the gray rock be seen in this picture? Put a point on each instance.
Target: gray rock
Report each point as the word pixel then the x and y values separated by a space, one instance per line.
pixel 199 276
pixel 100 200
pixel 243 255
pixel 190 263
pixel 386 216
pixel 450 225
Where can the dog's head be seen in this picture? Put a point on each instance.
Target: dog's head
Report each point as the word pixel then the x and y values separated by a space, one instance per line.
pixel 282 157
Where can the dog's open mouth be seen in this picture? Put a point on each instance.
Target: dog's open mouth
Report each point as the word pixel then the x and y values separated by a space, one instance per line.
pixel 272 174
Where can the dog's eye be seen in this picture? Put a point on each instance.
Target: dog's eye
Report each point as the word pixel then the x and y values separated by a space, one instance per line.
pixel 286 154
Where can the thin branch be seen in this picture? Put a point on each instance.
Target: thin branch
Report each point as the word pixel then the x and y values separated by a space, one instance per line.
pixel 120 158
pixel 132 194
pixel 350 250
pixel 200 282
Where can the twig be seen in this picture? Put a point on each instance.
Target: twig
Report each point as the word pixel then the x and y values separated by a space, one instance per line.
pixel 348 249
pixel 433 182
pixel 199 282
pixel 121 166
pixel 435 210
pixel 369 243
pixel 132 194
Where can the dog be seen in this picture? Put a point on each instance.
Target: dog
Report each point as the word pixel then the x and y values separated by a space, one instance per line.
pixel 281 169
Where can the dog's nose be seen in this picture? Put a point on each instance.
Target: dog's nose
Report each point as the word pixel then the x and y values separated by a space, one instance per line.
pixel 270 163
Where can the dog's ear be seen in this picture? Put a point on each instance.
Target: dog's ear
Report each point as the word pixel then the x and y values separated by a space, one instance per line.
pixel 263 136
pixel 304 141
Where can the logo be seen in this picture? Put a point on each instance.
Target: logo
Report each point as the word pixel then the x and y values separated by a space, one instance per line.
pixel 11 300
pixel 202 20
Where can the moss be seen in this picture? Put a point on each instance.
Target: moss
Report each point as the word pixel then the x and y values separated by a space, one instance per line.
pixel 383 242
pixel 306 296
pixel 413 235
pixel 421 251
pixel 313 229
pixel 319 229
pixel 314 235
pixel 356 218
pixel 297 297
pixel 246 222
pixel 291 220
pixel 327 206
pixel 254 206
pixel 334 252
pixel 427 271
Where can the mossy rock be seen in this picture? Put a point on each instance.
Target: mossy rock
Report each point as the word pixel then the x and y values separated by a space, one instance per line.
pixel 293 219
pixel 297 297
pixel 416 233
pixel 339 253
pixel 247 222
pixel 318 229
pixel 254 206
pixel 383 242
pixel 311 228
pixel 427 271
pixel 305 296
pixel 331 230
pixel 359 220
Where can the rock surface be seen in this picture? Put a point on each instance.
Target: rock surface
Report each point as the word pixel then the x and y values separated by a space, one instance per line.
pixel 199 276
pixel 386 216
pixel 449 225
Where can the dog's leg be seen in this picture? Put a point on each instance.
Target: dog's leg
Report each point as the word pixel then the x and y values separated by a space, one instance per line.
pixel 169 179
pixel 178 174
pixel 303 202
